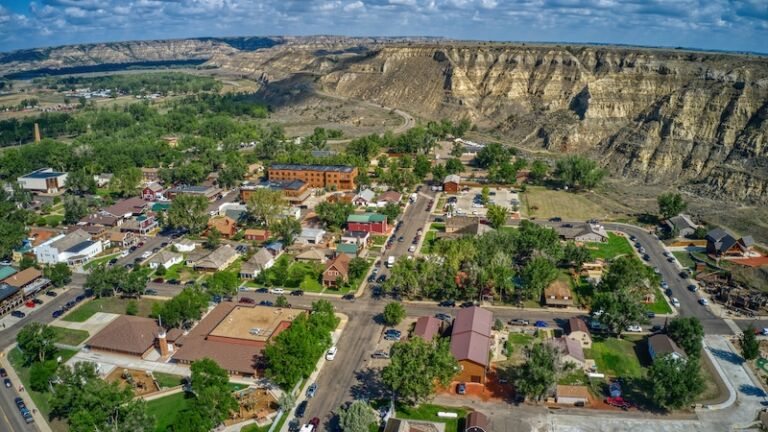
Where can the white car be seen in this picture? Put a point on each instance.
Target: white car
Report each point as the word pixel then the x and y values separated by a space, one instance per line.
pixel 675 302
pixel 277 291
pixel 146 254
pixel 412 249
pixel 703 301
pixel 331 354
pixel 634 328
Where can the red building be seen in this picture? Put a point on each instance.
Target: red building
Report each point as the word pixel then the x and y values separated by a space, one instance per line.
pixel 152 192
pixel 368 222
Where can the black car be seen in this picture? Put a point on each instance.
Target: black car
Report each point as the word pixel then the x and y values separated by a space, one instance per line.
pixel 372 278
pixel 448 303
pixel 656 328
pixel 467 304
pixel 262 290
pixel 401 239
pixel 650 314
pixel 19 401
pixel 174 282
pixel 113 261
pixel 556 219
pixel 266 303
pixel 18 314
pixel 3 373
pixel 150 292
pixel 89 292
pixel 80 298
pixel 683 274
pixel 51 293
pixel 37 301
pixel 297 293
pixel 349 297
pixel 7 383
pixel 376 291
pixel 163 244
pixel 57 313
pixel 443 317
pixel 381 278
pixel 301 409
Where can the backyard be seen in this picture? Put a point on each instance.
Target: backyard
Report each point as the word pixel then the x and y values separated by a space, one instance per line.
pixel 114 305
pixel 616 357
pixel 615 246
pixel 180 272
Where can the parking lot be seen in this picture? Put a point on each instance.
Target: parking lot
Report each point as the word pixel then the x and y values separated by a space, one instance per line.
pixel 384 344
pixel 468 202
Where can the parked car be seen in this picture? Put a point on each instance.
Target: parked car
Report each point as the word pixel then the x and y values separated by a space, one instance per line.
pixel 555 219
pixel 158 280
pixel 18 314
pixel 150 292
pixel 331 354
pixel 29 304
pixel 262 290
pixel 541 324
pixel 675 302
pixel 618 402
pixel 174 282
pixel 297 292
pixel 392 337
pixel 650 314
pixel 703 301
pixel 412 249
pixel 146 255
pixel 447 303
pixel 113 261
pixel 461 388
pixel 657 328
pixel 7 383
pixel 3 373
pixel 693 288
pixel 401 239
pixel 311 390
pixel 393 332
pixel 443 317
pixel 519 322
pixel 301 409
pixel 348 297
pixel 372 277
pixel 57 313
pixel 51 293
pixel 37 301
pixel 634 328
pixel 247 300
pixel 379 354
pixel 381 278
pixel 277 291
pixel 266 303
pixel 467 304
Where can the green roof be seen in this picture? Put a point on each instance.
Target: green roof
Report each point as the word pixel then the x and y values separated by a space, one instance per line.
pixel 160 207
pixel 366 217
pixel 346 248
pixel 6 271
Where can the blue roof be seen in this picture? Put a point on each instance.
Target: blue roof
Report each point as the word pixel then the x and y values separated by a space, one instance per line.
pixel 80 246
pixel 43 174
pixel 7 291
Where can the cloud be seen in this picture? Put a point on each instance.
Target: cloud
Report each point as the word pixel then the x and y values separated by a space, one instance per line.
pixel 720 24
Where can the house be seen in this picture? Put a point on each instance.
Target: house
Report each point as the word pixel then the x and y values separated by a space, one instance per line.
pixel 572 395
pixel 578 331
pixel 681 224
pixel 73 248
pixel 211 193
pixel 259 262
pixel 353 250
pixel 312 236
pixel 126 335
pixel 471 343
pixel 477 422
pixel 364 198
pixel 427 327
pixel 452 184
pixel 258 235
pixel 337 177
pixel 369 222
pixel 127 208
pixel 185 245
pixel 293 191
pixel 588 233
pixel 359 238
pixel 226 226
pixel 101 219
pixel 103 179
pixel 167 259
pixel 570 350
pixel 97 232
pixel 121 239
pixel 44 180
pixel 336 269
pixel 313 255
pixel 722 243
pixel 29 281
pixel 10 298
pixel 142 224
pixel 558 293
pixel 149 175
pixel 275 247
pixel 661 344
pixel 218 260
pixel 593 271
pixel 389 197
pixel 152 192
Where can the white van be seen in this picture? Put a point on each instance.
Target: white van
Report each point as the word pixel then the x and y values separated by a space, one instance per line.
pixel 390 261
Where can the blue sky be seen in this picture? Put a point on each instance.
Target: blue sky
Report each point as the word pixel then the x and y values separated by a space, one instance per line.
pixel 739 25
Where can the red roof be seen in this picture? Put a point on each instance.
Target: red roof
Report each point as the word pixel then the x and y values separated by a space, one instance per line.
pixel 471 335
pixel 427 327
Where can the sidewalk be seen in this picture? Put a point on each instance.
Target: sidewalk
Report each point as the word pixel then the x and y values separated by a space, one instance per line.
pixel 40 421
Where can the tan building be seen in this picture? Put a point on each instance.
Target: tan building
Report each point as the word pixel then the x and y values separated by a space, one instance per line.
pixel 578 331
pixel 339 177
pixel 558 294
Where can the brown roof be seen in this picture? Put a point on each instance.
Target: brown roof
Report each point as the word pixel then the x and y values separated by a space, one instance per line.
pixel 475 319
pixel 470 337
pixel 427 327
pixel 129 334
pixel 223 224
pixel 130 205
pixel 572 391
pixel 100 219
pixel 40 236
pixel 663 344
pixel 576 324
pixel 559 289
pixel 255 232
pixel 340 263
pixel 23 278
pixel 568 346
pixel 478 420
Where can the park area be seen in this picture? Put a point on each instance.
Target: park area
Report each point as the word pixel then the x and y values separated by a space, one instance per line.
pixel 542 203
pixel 114 305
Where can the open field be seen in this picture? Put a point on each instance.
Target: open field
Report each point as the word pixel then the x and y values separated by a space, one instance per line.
pixel 615 246
pixel 70 336
pixel 167 409
pixel 114 305
pixel 542 203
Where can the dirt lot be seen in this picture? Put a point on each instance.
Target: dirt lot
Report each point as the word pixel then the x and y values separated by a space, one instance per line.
pixel 542 203
pixel 143 383
pixel 504 197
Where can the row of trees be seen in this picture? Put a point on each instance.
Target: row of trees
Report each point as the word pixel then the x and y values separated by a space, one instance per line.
pixel 135 84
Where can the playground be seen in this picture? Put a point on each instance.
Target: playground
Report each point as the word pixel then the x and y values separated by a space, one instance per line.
pixel 142 382
pixel 255 403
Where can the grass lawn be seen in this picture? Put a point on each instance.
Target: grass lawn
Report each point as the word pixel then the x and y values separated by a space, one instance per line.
pixel 166 409
pixel 438 226
pixel 379 240
pixel 40 399
pixel 167 380
pixel 54 219
pixel 615 246
pixel 70 336
pixel 520 338
pixel 109 305
pixel 429 412
pixel 429 242
pixel 574 378
pixel 541 202
pixel 684 259
pixel 99 261
pixel 615 357
pixel 660 305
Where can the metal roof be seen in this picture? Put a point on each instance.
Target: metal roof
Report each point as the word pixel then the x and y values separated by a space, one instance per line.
pixel 366 218
pixel 43 174
pixel 327 168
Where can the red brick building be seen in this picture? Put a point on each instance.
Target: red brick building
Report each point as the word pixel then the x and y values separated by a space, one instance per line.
pixel 369 222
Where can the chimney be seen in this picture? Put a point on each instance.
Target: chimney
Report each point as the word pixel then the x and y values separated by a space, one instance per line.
pixel 37 132
pixel 162 343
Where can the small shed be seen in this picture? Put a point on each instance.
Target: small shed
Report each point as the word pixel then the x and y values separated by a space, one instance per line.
pixel 572 395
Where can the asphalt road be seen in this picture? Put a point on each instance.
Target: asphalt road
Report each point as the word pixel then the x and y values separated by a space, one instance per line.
pixel 10 418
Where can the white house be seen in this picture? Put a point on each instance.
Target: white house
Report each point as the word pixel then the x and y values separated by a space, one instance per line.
pixel 364 198
pixel 44 180
pixel 185 245
pixel 259 262
pixel 166 259
pixel 310 236
pixel 73 248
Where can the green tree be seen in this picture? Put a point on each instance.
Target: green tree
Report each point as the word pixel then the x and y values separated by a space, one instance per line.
pixel 687 332
pixel 750 347
pixel 576 255
pixel 40 375
pixel 539 170
pixel 59 274
pixel 618 309
pixel 125 182
pixel 281 301
pixel 537 275
pixel 265 205
pixel 357 267
pixel 439 172
pixel 539 373
pixel 287 229
pixel 81 181
pixel 233 171
pixel 213 395
pixel 212 239
pixel 190 212
pixel 394 313
pixel 391 211
pixel 578 172
pixel 186 307
pixel 334 214
pixel 421 167
pixel 497 215
pixel 457 149
pixel 403 277
pixel 675 383
pixel 223 283
pixel 357 417
pixel 491 155
pixel 671 204
pixel 454 166
pixel 36 342
pixel 416 365
pixel 27 262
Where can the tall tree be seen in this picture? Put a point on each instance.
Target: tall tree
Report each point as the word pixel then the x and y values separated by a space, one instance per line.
pixel 287 229
pixel 537 275
pixel 687 332
pixel 265 205
pixel 357 417
pixel 575 255
pixel 391 211
pixel 125 182
pixel 618 309
pixel 59 274
pixel 671 204
pixel 233 171
pixel 497 215
pixel 334 214
pixel 223 283
pixel 675 383
pixel 416 365
pixel 539 373
pixel 213 395
pixel 190 212
pixel 74 210
pixel 394 313
pixel 81 181
pixel 750 347
pixel 491 155
pixel 36 342
pixel 454 166
pixel 539 170
pixel 578 172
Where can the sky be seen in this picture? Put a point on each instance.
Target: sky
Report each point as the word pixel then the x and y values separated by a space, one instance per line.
pixel 732 25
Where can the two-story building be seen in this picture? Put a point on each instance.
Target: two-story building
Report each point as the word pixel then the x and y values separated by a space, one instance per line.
pixel 73 248
pixel 338 177
pixel 44 180
pixel 374 223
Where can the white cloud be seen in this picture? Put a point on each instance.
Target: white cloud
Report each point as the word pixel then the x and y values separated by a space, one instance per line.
pixel 354 6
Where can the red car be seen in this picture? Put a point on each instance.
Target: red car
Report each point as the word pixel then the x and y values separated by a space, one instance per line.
pixel 247 300
pixel 30 304
pixel 315 422
pixel 618 402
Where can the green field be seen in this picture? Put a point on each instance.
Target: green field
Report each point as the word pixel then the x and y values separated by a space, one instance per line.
pixel 69 336
pixel 114 305
pixel 615 246
pixel 660 305
pixel 429 412
pixel 520 338
pixel 167 380
pixel 40 399
pixel 543 203
pixel 429 242
pixel 615 357
pixel 166 409
pixel 684 258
